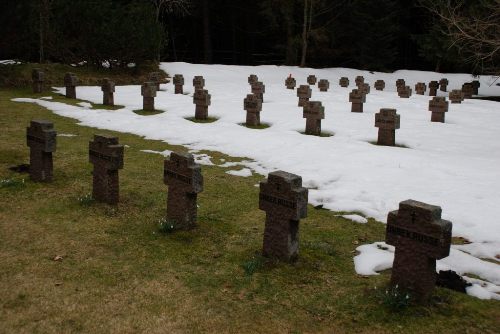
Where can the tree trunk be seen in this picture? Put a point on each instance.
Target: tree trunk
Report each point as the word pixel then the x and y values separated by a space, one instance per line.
pixel 304 36
pixel 207 41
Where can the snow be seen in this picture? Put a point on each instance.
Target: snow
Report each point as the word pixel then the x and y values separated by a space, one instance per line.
pixel 66 135
pixel 453 165
pixel 9 62
pixel 245 172
pixel 356 218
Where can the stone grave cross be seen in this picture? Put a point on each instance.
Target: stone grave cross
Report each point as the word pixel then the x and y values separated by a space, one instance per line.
pixel 253 106
pixel 313 112
pixel 41 139
pixel 387 121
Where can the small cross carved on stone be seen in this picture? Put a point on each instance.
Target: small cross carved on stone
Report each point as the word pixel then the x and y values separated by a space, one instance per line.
pixel 185 181
pixel 106 155
pixel 41 139
pixel 284 200
pixel 421 237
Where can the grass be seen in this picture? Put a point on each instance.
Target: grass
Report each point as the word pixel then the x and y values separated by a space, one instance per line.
pixel 256 127
pixel 322 134
pixel 208 120
pixel 143 112
pixel 119 273
pixel 396 145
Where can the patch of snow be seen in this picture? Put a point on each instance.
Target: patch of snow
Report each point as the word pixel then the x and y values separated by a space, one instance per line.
pixel 9 62
pixel 245 172
pixel 165 153
pixel 66 135
pixel 85 105
pixel 355 218
pixel 46 97
pixel 203 159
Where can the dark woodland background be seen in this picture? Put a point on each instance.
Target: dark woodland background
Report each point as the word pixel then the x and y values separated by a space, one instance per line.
pixel 382 35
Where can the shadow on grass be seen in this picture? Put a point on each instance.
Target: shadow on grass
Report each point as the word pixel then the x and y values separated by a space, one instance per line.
pixel 143 112
pixel 256 127
pixel 323 134
pixel 208 120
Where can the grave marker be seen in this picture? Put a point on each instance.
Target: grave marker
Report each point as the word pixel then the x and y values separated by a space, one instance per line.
pixel 198 82
pixel 421 237
pixel 108 89
pixel 70 81
pixel 323 85
pixel 107 157
pixel 313 112
pixel 148 91
pixel 202 100
pixel 253 105
pixel 357 98
pixel 344 82
pixel 185 181
pixel 311 80
pixel 439 106
pixel 400 83
pixel 304 93
pixel 359 80
pixel 379 85
pixel 433 86
pixel 284 200
pixel 364 88
pixel 258 88
pixel 420 88
pixel 456 96
pixel 387 121
pixel 475 87
pixel 290 82
pixel 443 84
pixel 38 76
pixel 178 83
pixel 468 90
pixel 155 77
pixel 41 139
pixel 404 91
pixel 252 79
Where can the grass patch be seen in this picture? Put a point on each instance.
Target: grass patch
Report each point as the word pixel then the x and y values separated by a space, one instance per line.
pixel 120 274
pixel 143 112
pixel 323 134
pixel 208 120
pixel 86 200
pixel 257 127
pixel 12 183
pixel 397 145
pixel 106 107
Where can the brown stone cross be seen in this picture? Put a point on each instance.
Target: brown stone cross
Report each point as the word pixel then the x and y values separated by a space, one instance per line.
pixel 420 237
pixel 357 98
pixel 198 82
pixel 364 88
pixel 400 83
pixel 344 82
pixel 178 83
pixel 290 82
pixel 387 121
pixel 379 85
pixel 475 87
pixel 456 96
pixel 155 77
pixel 404 91
pixel 359 80
pixel 439 106
pixel 108 90
pixel 304 94
pixel 202 100
pixel 41 139
pixel 70 82
pixel 311 80
pixel 148 92
pixel 468 90
pixel 420 88
pixel 185 181
pixel 284 200
pixel 323 85
pixel 252 79
pixel 258 88
pixel 38 76
pixel 433 86
pixel 313 112
pixel 253 105
pixel 443 84
pixel 107 157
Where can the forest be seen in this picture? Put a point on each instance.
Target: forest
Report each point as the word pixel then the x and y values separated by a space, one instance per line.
pixel 383 35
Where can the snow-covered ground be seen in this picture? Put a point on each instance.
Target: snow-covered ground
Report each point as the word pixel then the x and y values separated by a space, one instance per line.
pixel 455 165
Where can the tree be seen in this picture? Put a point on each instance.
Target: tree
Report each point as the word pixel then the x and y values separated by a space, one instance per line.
pixel 474 28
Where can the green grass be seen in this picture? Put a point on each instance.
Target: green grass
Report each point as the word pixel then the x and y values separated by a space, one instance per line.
pixel 208 120
pixel 256 127
pixel 396 145
pixel 143 112
pixel 119 273
pixel 322 134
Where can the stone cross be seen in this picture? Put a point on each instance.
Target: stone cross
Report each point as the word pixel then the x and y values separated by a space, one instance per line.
pixel 439 106
pixel 38 76
pixel 420 88
pixel 311 80
pixel 379 85
pixel 148 91
pixel 155 77
pixel 400 83
pixel 253 105
pixel 198 82
pixel 421 237
pixel 357 98
pixel 468 90
pixel 304 93
pixel 387 121
pixel 344 82
pixel 443 84
pixel 456 96
pixel 284 200
pixel 359 80
pixel 313 112
pixel 258 88
pixel 475 85
pixel 178 83
pixel 252 79
pixel 70 81
pixel 364 88
pixel 108 90
pixel 323 85
pixel 107 157
pixel 185 181
pixel 41 139
pixel 202 100
pixel 433 86
pixel 290 82
pixel 404 91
